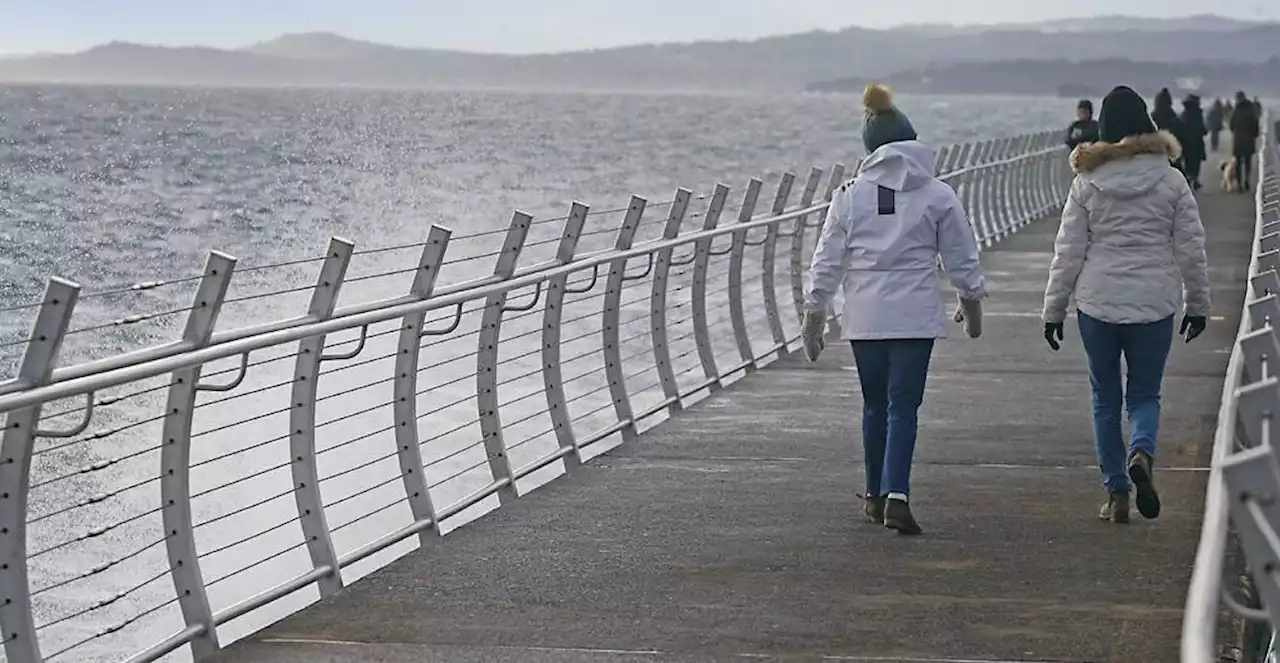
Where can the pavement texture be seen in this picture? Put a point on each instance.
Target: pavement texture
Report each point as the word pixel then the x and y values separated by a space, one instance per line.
pixel 734 531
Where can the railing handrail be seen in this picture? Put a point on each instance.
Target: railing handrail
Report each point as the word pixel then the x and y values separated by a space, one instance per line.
pixel 1205 594
pixel 1005 183
pixel 113 371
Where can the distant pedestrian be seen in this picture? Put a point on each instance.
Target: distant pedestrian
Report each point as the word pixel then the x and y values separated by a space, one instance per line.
pixel 1130 245
pixel 1192 139
pixel 882 239
pixel 1246 125
pixel 1216 121
pixel 1085 128
pixel 1166 119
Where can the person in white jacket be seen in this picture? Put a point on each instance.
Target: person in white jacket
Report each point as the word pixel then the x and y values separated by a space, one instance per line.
pixel 1130 249
pixel 883 236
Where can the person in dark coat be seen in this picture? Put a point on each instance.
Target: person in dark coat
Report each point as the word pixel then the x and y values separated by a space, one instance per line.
pixel 1217 121
pixel 1192 140
pixel 1245 128
pixel 1085 128
pixel 1166 119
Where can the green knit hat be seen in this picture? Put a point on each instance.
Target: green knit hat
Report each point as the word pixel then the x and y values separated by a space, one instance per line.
pixel 883 123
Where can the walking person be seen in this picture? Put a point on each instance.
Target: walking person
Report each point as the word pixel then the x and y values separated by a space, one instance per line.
pixel 1192 139
pixel 1216 121
pixel 1130 250
pixel 1085 128
pixel 1167 119
pixel 883 236
pixel 1246 126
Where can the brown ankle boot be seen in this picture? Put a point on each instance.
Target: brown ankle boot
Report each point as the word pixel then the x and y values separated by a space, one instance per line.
pixel 874 509
pixel 897 516
pixel 1116 508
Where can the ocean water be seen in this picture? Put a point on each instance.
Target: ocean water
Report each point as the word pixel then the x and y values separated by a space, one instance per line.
pixel 111 187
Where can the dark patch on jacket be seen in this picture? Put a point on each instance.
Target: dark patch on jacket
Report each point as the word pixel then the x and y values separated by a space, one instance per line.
pixel 1082 131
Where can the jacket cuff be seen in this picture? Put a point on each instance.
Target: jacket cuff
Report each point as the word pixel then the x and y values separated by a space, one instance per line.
pixel 1054 317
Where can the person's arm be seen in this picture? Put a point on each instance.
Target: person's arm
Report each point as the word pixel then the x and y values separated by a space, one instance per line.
pixel 958 249
pixel 826 271
pixel 1188 250
pixel 1069 250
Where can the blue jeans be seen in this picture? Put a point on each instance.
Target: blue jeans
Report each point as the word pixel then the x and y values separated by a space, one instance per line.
pixel 892 373
pixel 1146 349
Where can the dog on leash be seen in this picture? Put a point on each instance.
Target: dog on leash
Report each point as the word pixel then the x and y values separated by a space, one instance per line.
pixel 1229 182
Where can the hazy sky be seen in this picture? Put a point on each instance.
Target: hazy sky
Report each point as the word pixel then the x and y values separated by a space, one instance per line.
pixel 524 25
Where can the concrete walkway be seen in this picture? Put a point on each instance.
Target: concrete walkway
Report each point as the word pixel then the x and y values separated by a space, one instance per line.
pixel 734 531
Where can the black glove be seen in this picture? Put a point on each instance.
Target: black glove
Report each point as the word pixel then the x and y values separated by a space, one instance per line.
pixel 1052 330
pixel 1192 326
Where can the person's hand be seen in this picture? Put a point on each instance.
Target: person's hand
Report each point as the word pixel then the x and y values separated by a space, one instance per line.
pixel 969 313
pixel 813 333
pixel 1192 326
pixel 1053 334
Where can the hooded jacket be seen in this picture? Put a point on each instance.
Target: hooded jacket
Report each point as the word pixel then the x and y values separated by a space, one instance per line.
pixel 1131 244
pixel 884 233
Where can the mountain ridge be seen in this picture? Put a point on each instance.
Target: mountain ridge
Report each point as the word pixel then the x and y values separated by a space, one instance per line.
pixel 778 63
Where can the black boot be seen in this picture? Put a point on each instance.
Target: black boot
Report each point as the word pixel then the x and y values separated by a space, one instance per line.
pixel 1144 484
pixel 874 508
pixel 897 516
pixel 1116 508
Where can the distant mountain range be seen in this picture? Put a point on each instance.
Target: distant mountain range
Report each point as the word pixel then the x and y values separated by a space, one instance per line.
pixel 1114 23
pixel 1088 78
pixel 782 63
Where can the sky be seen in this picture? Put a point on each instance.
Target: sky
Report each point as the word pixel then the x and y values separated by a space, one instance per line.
pixel 525 26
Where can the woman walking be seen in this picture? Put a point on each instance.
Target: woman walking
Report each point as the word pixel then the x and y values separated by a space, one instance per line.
pixel 1167 119
pixel 1192 139
pixel 1217 120
pixel 1130 250
pixel 882 239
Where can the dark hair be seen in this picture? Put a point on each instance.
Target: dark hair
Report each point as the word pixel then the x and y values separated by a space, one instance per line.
pixel 1085 104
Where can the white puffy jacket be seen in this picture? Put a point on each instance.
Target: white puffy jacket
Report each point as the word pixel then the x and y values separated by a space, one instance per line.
pixel 886 255
pixel 1131 240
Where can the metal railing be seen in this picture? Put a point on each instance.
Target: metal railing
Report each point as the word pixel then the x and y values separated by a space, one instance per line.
pixel 256 468
pixel 1244 480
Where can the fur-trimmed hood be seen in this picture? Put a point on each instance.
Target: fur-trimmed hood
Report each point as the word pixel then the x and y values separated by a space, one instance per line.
pixel 1092 156
pixel 1132 168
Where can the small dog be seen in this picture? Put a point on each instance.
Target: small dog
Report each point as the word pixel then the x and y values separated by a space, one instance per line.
pixel 1229 182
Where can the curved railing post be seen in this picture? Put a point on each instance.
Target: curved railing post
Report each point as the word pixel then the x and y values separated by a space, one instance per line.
pixel 955 156
pixel 302 420
pixel 833 183
pixel 404 397
pixel 611 321
pixel 487 359
pixel 1041 178
pixel 552 315
pixel 768 271
pixel 964 184
pixel 977 180
pixel 658 303
pixel 737 254
pixel 21 644
pixel 797 241
pixel 995 179
pixel 1035 201
pixel 1022 182
pixel 940 159
pixel 701 262
pixel 1061 180
pixel 1010 194
pixel 175 460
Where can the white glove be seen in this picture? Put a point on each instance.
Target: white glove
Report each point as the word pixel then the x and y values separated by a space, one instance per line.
pixel 969 312
pixel 813 333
